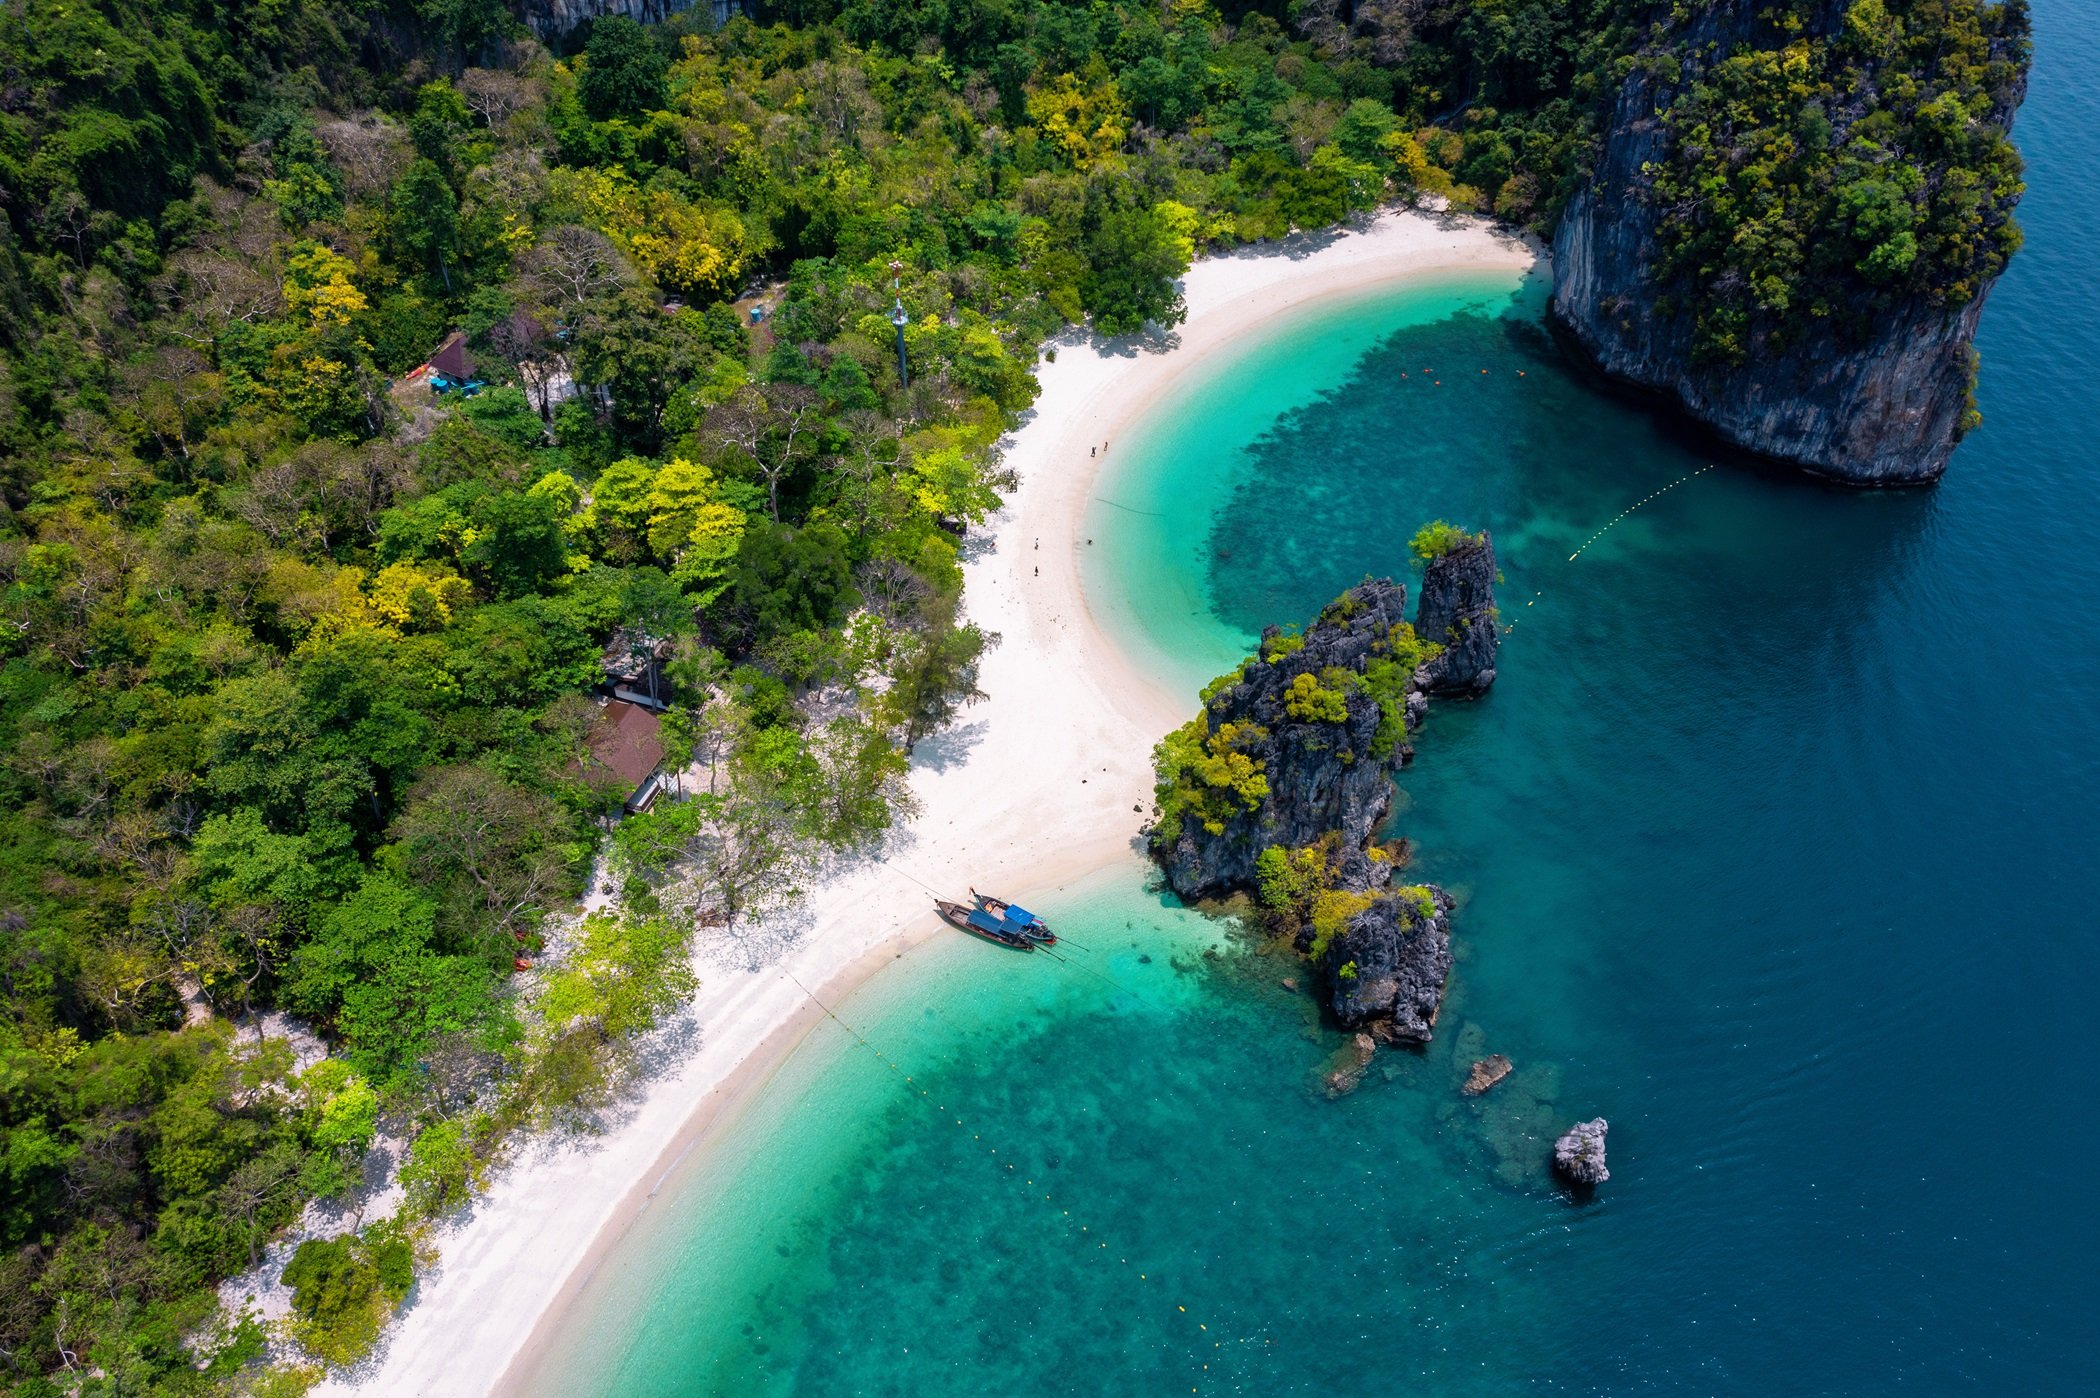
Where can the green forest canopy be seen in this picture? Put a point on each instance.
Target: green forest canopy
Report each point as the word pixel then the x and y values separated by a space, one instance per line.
pixel 295 686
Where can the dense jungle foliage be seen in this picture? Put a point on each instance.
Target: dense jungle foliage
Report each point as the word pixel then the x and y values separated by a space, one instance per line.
pixel 1831 173
pixel 296 682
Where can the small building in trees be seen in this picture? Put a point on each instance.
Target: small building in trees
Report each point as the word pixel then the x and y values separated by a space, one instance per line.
pixel 626 753
pixel 452 359
pixel 449 369
pixel 633 663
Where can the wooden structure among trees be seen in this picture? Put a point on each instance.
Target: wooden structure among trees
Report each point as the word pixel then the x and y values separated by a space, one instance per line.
pixel 633 662
pixel 449 363
pixel 627 752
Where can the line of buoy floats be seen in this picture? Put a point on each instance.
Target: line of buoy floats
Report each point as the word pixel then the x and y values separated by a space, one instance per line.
pixel 1656 494
pixel 1652 495
pixel 991 1150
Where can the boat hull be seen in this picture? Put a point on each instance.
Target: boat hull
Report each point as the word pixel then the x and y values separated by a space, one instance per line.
pixel 958 917
pixel 1036 931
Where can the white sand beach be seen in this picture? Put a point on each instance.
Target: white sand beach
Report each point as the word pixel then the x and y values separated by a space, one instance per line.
pixel 1045 781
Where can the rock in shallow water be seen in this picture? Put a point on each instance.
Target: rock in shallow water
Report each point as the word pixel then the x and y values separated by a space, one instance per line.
pixel 1578 1156
pixel 1386 969
pixel 1324 752
pixel 1486 1073
pixel 1280 783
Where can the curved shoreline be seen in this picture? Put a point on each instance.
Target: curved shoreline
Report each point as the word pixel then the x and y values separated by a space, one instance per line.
pixel 1040 785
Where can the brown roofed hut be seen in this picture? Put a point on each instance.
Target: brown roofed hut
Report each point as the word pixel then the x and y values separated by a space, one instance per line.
pixel 452 359
pixel 627 753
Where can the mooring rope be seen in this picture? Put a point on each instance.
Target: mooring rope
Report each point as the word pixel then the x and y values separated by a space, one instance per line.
pixel 1129 509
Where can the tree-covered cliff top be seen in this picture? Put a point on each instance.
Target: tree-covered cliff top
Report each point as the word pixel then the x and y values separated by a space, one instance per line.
pixel 1830 158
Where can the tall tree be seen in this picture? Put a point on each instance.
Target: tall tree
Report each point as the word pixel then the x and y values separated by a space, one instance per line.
pixel 623 70
pixel 426 217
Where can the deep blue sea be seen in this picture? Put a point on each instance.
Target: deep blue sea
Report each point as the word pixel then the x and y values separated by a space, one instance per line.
pixel 1777 842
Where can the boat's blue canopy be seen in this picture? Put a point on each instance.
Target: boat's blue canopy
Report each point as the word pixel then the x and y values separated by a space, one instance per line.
pixel 1019 915
pixel 985 922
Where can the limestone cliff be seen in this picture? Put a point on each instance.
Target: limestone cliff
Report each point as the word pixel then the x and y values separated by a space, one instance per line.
pixel 1298 743
pixel 1279 785
pixel 1456 611
pixel 551 18
pixel 1869 384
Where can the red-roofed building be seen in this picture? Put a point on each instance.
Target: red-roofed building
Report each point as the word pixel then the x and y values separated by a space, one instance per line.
pixel 452 359
pixel 627 753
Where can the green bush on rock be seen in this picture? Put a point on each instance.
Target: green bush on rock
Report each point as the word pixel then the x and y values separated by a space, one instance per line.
pixel 1208 776
pixel 1437 538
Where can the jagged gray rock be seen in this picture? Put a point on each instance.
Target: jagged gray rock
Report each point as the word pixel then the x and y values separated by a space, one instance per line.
pixel 1324 775
pixel 549 18
pixel 1578 1156
pixel 1386 969
pixel 1457 611
pixel 1320 720
pixel 1880 411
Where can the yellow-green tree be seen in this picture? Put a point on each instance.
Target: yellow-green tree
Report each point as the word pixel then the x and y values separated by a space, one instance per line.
pixel 1088 124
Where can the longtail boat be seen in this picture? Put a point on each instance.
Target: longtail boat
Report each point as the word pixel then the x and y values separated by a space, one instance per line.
pixel 1017 918
pixel 979 923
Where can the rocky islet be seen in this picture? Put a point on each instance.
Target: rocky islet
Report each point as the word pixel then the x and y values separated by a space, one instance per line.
pixel 1485 1073
pixel 1297 744
pixel 1279 786
pixel 1578 1156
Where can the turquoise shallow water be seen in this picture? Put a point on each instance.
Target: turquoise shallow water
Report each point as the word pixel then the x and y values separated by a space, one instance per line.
pixel 1155 561
pixel 1776 844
